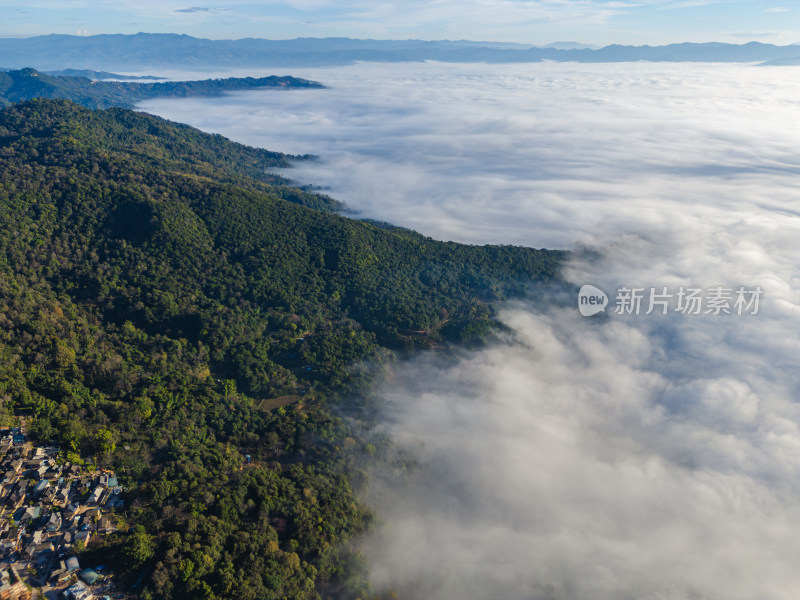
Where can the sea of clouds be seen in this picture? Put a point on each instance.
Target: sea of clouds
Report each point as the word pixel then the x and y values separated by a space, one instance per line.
pixel 612 457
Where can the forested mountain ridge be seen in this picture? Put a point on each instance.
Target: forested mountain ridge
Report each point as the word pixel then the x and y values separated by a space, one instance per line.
pixel 160 143
pixel 27 84
pixel 166 310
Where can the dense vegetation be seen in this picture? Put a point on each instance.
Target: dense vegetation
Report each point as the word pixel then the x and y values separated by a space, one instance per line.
pixel 168 313
pixel 26 84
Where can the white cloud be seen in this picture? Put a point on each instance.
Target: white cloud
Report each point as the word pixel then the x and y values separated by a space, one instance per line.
pixel 618 458
pixel 572 463
pixel 542 154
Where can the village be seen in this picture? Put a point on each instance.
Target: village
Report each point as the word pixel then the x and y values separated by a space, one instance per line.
pixel 49 511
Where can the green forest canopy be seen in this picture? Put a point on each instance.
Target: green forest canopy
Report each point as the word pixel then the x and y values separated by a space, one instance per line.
pixel 167 306
pixel 27 84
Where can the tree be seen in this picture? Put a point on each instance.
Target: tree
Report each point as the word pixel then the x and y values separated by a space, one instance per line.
pixel 104 440
pixel 139 548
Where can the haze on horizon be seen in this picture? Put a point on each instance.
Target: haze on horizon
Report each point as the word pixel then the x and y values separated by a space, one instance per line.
pixel 595 22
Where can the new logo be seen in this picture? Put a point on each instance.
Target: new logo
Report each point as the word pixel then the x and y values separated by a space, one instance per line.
pixel 591 300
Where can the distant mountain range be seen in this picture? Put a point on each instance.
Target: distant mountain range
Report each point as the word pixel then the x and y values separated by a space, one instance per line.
pixel 26 84
pixel 570 46
pixel 156 50
pixel 97 75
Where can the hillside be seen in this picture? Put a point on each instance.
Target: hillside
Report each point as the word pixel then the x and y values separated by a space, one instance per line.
pixel 27 84
pixel 167 310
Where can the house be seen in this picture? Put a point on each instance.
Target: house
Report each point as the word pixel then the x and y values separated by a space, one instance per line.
pixel 71 510
pixel 90 576
pixel 49 495
pixel 79 591
pixel 82 536
pixel 40 487
pixel 115 499
pixel 62 495
pixel 91 515
pixel 14 499
pixel 95 497
pixel 106 524
pixel 17 497
pixel 37 547
pixel 17 591
pixel 43 548
pixel 54 522
pixel 7 547
pixel 108 480
pixel 59 574
pixel 104 498
pixel 72 564
pixel 31 512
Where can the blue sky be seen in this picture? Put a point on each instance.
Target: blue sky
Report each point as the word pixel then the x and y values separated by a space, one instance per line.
pixel 525 21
